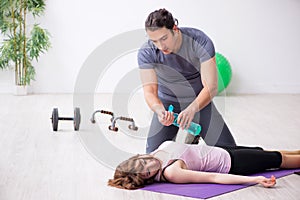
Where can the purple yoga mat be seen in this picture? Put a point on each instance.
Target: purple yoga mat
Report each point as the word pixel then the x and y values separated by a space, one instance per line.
pixel 205 191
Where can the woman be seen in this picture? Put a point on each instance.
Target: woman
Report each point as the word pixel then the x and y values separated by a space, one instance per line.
pixel 186 163
pixel 177 66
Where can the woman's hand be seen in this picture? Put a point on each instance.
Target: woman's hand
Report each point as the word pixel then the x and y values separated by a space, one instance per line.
pixel 186 116
pixel 266 182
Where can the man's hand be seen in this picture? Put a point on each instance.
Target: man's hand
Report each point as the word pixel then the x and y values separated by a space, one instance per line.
pixel 167 118
pixel 186 116
pixel 164 117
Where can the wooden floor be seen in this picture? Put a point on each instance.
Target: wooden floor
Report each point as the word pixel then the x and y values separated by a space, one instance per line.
pixel 36 163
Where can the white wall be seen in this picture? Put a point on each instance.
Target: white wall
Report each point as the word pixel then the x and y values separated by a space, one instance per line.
pixel 260 38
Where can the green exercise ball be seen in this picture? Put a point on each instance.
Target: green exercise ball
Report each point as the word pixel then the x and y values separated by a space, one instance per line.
pixel 224 72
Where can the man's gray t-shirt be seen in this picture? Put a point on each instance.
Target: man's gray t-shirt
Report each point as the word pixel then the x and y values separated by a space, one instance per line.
pixel 178 74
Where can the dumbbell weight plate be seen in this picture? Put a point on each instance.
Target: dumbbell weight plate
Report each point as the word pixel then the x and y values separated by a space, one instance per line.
pixel 113 128
pixel 135 128
pixel 77 119
pixel 54 119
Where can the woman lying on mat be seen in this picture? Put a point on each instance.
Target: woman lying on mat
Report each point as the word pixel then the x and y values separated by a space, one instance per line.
pixel 189 163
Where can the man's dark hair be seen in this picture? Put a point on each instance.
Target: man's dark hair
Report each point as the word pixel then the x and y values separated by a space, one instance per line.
pixel 159 19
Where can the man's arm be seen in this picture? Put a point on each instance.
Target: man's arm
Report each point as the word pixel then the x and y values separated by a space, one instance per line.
pixel 150 87
pixel 209 77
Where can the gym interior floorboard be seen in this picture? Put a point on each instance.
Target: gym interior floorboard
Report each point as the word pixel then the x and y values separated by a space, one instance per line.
pixel 37 163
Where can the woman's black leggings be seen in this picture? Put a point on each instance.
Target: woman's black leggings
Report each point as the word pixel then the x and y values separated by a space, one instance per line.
pixel 251 160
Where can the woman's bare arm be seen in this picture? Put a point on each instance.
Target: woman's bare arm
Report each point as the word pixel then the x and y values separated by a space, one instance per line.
pixel 176 173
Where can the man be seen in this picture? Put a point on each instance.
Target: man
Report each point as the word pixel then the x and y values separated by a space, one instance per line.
pixel 177 66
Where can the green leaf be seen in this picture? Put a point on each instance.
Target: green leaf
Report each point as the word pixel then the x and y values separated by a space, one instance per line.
pixel 13 38
pixel 39 42
pixel 36 7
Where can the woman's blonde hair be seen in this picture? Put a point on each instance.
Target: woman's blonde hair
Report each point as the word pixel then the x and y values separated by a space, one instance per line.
pixel 129 174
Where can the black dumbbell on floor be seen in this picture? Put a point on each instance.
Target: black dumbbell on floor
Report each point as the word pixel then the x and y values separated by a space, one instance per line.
pixel 76 119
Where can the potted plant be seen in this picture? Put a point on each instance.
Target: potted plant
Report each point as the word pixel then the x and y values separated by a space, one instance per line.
pixel 22 42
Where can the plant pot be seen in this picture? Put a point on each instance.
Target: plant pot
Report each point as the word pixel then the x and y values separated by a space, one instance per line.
pixel 20 90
